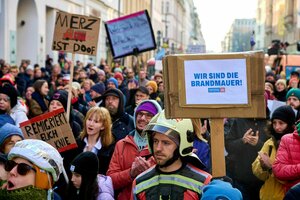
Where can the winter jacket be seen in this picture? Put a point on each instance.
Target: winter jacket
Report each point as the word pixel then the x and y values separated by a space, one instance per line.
pixel 240 155
pixel 120 165
pixel 272 189
pixel 106 191
pixel 19 112
pixel 126 151
pixel 35 107
pixel 203 153
pixel 123 123
pixel 287 163
pixel 184 183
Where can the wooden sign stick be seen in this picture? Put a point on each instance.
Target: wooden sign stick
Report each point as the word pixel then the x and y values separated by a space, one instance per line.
pixel 70 87
pixel 217 147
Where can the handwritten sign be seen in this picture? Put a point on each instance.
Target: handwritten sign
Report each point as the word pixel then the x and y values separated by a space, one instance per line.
pixel 130 34
pixel 216 81
pixel 52 128
pixel 76 33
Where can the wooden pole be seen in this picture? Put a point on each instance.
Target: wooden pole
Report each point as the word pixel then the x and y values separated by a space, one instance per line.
pixel 70 88
pixel 217 147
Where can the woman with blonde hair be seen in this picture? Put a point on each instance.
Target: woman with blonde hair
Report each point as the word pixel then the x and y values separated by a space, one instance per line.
pixel 96 137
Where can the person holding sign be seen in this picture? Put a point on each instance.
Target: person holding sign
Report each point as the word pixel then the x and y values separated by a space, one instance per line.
pixel 60 100
pixel 178 173
pixel 283 120
pixel 33 167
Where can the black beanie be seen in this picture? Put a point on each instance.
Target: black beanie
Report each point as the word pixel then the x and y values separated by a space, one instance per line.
pixel 62 97
pixel 284 113
pixel 86 163
pixel 10 91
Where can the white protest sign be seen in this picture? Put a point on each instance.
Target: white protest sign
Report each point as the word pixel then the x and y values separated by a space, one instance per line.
pixel 216 81
pixel 130 34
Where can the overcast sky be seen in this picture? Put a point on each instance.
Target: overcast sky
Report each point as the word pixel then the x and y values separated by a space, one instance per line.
pixel 216 17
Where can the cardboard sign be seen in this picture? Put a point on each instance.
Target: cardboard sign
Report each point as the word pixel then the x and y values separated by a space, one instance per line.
pixel 76 33
pixel 214 85
pixel 52 128
pixel 130 34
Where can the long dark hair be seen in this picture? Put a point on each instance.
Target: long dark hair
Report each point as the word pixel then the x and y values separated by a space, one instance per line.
pixel 89 189
pixel 276 137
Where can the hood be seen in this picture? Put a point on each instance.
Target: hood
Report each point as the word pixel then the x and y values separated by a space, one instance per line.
pixel 154 102
pixel 117 93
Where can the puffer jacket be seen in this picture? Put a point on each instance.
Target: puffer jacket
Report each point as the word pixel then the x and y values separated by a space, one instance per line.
pixel 106 191
pixel 287 163
pixel 272 189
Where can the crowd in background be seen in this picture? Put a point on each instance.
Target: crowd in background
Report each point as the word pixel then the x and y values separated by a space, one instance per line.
pixel 111 105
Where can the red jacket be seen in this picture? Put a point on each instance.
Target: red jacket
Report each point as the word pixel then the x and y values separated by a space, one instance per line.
pixel 287 162
pixel 119 168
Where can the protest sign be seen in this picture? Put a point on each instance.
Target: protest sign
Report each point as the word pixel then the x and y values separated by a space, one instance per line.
pixel 76 33
pixel 225 79
pixel 52 128
pixel 198 84
pixel 130 34
pixel 215 86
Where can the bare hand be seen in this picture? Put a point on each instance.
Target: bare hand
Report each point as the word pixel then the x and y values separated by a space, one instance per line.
pixel 139 165
pixel 204 127
pixel 264 160
pixel 92 103
pixel 254 138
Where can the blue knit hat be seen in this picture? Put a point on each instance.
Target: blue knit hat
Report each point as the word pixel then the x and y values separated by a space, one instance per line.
pixel 114 81
pixel 8 130
pixel 293 92
pixel 99 88
pixel 218 189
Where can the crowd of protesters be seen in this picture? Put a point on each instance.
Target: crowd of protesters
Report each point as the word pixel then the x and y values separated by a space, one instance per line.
pixel 126 146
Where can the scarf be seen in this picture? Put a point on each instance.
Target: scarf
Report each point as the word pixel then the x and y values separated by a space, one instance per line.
pixel 40 100
pixel 24 193
pixel 140 141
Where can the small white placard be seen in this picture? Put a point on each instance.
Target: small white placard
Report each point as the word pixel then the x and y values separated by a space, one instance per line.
pixel 216 81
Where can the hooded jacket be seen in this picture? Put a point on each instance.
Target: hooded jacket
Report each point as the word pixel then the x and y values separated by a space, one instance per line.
pixel 123 123
pixel 120 165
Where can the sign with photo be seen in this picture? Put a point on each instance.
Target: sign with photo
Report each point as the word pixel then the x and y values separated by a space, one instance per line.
pixel 130 34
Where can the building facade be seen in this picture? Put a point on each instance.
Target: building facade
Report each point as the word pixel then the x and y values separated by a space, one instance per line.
pixel 28 26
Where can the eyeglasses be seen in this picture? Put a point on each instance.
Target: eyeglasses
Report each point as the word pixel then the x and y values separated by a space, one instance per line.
pixel 146 114
pixel 22 168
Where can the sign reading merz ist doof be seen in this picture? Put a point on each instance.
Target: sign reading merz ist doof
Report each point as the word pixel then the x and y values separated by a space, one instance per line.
pixel 76 33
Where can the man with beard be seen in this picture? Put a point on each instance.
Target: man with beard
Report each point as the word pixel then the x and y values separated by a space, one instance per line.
pixel 293 100
pixel 178 173
pixel 131 155
pixel 114 101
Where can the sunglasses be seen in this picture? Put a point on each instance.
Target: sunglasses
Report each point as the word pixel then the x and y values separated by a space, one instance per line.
pixel 22 168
